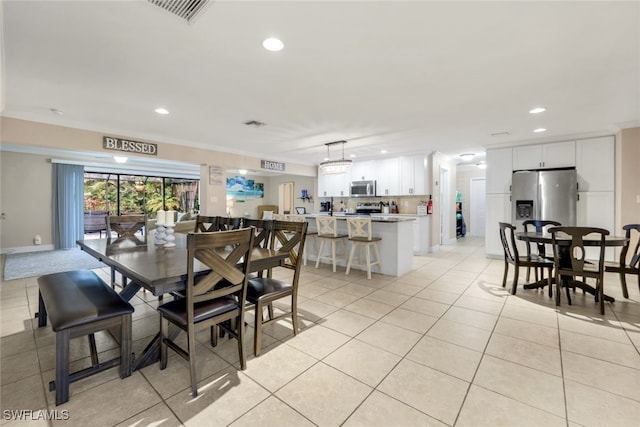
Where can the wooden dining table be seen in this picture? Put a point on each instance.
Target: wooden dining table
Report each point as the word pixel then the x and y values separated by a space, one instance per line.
pixel 564 242
pixel 161 270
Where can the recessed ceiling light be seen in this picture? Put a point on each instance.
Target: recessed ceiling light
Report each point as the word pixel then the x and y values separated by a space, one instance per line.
pixel 273 44
pixel 467 156
pixel 120 159
pixel 537 110
pixel 56 111
pixel 539 130
pixel 383 151
pixel 162 111
pixel 352 155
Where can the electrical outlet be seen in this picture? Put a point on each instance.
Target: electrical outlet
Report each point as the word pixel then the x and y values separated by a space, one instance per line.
pixel 37 239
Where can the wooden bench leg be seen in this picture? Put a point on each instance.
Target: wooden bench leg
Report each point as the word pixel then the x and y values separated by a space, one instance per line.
pixel 62 366
pixel 125 346
pixel 42 312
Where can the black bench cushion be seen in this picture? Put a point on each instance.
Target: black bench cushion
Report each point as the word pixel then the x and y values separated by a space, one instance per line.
pixel 79 297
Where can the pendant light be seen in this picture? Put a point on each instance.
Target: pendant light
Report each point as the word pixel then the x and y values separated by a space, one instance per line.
pixel 341 166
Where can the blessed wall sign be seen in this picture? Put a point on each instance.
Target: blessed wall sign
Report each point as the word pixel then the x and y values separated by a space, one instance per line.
pixel 127 146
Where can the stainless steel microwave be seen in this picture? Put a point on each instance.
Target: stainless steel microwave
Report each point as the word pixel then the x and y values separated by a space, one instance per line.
pixel 362 189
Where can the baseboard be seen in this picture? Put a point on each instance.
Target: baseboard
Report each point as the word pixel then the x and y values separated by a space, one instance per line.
pixel 23 249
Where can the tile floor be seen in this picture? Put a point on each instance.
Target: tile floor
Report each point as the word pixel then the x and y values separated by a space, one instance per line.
pixel 442 345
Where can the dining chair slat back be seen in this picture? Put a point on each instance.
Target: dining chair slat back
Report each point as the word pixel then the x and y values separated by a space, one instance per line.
pixel 215 299
pixel 629 262
pixel 570 258
pixel 206 224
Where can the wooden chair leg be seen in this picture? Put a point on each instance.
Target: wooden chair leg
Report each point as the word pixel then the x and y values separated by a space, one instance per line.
pixel 125 346
pixel 550 282
pixel 164 333
pixel 320 252
pixel 506 272
pixel 623 283
pixel 191 348
pixel 240 337
pixel 294 314
pixel 257 325
pixel 351 253
pixel 93 349
pixel 333 254
pixel 368 260
pixel 515 281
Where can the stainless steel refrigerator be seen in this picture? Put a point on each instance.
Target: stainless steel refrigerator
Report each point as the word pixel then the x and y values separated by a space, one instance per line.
pixel 544 195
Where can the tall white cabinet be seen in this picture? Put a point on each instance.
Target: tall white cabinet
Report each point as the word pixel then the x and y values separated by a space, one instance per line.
pixel 498 203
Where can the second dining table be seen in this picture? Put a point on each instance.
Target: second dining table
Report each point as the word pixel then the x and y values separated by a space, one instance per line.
pixel 161 270
pixel 564 242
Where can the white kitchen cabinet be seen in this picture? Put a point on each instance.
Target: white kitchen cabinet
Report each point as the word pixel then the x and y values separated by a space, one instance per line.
pixel 499 170
pixel 333 185
pixel 498 209
pixel 363 171
pixel 387 171
pixel 413 175
pixel 595 164
pixel 545 156
pixel 596 209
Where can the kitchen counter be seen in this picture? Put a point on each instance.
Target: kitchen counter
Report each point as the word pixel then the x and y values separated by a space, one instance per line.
pixel 396 249
pixel 374 217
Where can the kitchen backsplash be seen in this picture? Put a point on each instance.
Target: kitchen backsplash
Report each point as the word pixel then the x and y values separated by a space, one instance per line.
pixel 406 204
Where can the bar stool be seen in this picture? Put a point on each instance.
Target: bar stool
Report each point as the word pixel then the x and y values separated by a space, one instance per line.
pixel 359 230
pixel 327 227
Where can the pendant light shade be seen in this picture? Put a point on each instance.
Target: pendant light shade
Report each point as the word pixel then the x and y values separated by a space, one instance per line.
pixel 335 166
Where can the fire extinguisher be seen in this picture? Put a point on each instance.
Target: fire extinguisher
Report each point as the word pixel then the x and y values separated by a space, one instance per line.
pixel 429 206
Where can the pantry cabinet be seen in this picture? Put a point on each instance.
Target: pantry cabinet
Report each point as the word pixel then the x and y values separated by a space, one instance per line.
pixel 413 175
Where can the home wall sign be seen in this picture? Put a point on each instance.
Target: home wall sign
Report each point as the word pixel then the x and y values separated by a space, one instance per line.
pixel 274 166
pixel 127 146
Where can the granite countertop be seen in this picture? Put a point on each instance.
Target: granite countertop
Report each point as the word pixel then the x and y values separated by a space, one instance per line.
pixel 374 218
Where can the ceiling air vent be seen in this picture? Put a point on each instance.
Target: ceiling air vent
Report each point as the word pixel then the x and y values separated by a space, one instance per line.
pixel 185 9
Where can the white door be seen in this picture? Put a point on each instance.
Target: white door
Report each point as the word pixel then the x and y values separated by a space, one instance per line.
pixel 477 207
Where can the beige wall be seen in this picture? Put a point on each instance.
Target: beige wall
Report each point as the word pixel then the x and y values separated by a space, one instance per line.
pixel 26 179
pixel 627 178
pixel 25 199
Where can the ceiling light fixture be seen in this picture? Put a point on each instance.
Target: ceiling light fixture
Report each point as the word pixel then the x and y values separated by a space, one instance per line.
pixel 481 165
pixel 537 110
pixel 383 151
pixel 242 171
pixel 162 111
pixel 329 167
pixel 352 155
pixel 120 159
pixel 539 130
pixel 273 44
pixel 467 156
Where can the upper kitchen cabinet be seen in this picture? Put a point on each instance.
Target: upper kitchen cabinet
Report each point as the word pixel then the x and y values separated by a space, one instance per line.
pixel 363 171
pixel 413 175
pixel 595 164
pixel 545 156
pixel 333 185
pixel 387 171
pixel 499 169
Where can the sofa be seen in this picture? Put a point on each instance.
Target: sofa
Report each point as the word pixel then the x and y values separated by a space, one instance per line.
pixel 184 224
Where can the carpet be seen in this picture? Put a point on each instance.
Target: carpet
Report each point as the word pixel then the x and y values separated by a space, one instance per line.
pixel 35 264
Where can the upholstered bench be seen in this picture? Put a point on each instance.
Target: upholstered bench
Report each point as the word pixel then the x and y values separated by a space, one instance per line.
pixel 79 303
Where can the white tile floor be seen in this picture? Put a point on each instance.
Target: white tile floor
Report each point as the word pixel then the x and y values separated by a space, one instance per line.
pixel 443 345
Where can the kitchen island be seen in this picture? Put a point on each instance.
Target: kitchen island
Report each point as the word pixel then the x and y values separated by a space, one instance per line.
pixel 396 246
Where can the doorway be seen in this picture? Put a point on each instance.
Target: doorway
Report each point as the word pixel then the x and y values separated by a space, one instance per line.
pixel 477 206
pixel 285 197
pixel 445 211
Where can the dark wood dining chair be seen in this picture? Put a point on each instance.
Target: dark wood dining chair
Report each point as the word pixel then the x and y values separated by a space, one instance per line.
pixel 511 256
pixel 206 224
pixel 263 291
pixel 538 226
pixel 629 262
pixel 225 223
pixel 207 305
pixel 262 231
pixel 570 263
pixel 129 229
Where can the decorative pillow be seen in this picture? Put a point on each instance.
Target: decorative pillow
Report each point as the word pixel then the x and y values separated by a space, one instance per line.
pixel 185 217
pixel 267 215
